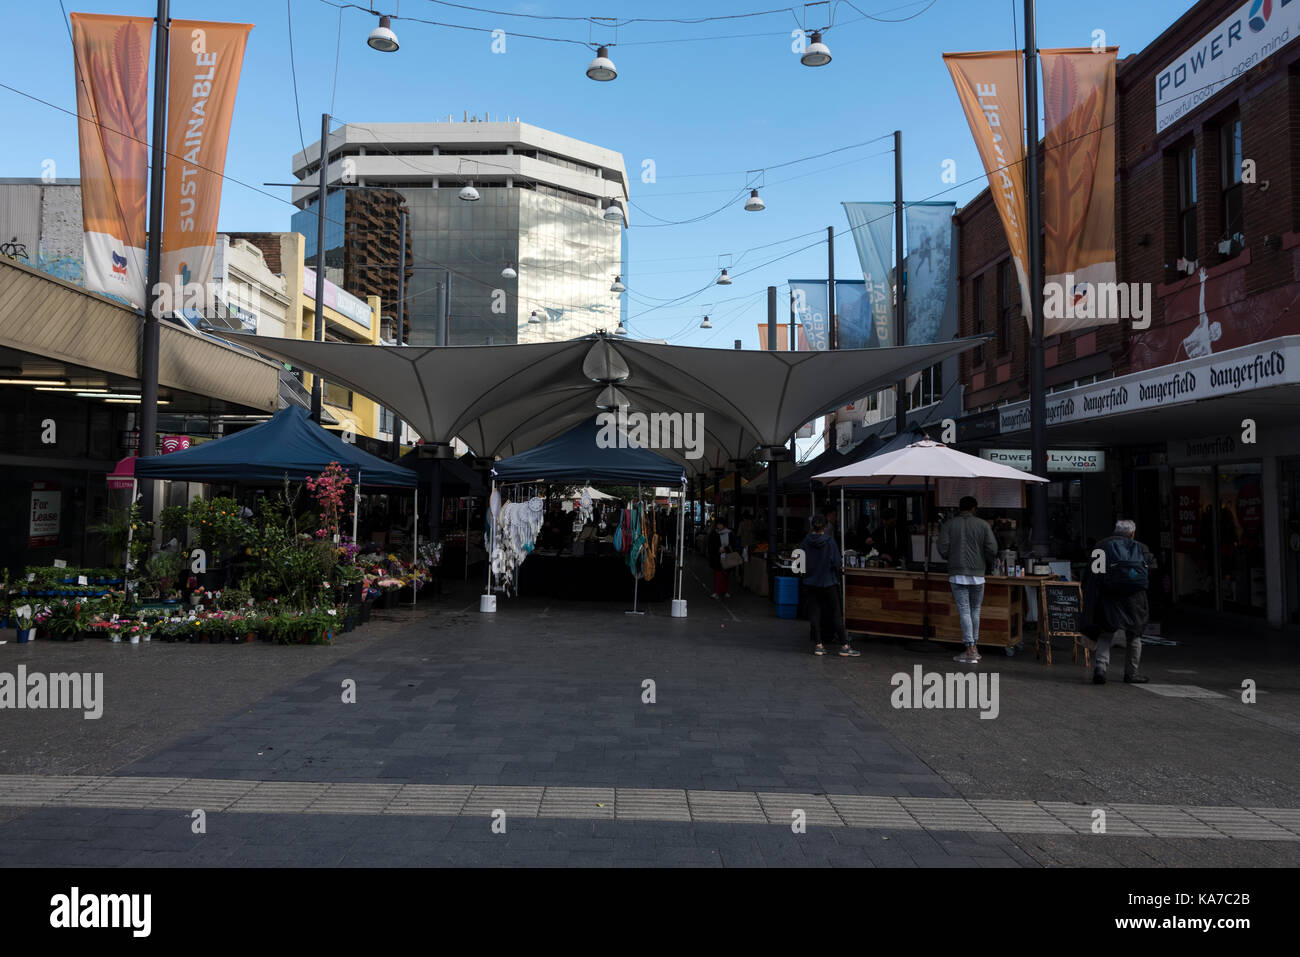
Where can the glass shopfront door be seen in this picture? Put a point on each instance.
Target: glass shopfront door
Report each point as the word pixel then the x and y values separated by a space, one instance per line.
pixel 1218 538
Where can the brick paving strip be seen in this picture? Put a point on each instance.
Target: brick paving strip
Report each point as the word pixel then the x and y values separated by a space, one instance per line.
pixel 641 804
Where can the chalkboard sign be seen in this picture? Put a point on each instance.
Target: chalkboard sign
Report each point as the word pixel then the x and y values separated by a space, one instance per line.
pixel 1062 608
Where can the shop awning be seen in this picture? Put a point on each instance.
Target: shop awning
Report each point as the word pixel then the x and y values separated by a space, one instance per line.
pixel 290 445
pixel 504 399
pixel 577 456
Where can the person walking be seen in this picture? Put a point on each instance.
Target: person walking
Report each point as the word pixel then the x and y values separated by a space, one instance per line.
pixel 968 545
pixel 822 565
pixel 719 544
pixel 1117 599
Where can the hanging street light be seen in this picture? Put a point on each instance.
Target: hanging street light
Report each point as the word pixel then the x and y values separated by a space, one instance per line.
pixel 724 279
pixel 382 37
pixel 468 193
pixel 621 330
pixel 534 319
pixel 817 53
pixel 618 285
pixel 602 68
pixel 509 272
pixel 614 212
pixel 755 202
pixel 706 324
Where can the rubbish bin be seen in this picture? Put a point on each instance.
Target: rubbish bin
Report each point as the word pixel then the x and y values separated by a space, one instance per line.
pixel 786 593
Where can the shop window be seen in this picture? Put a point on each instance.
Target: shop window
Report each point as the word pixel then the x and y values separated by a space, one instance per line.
pixel 385 420
pixel 977 313
pixel 928 388
pixel 1230 204
pixel 1004 308
pixel 338 397
pixel 1187 202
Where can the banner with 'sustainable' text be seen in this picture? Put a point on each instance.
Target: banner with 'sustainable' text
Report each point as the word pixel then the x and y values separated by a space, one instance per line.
pixel 203 74
pixel 111 64
pixel 991 88
pixel 1078 185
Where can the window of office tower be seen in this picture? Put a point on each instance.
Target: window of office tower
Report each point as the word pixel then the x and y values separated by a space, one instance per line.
pixel 568 258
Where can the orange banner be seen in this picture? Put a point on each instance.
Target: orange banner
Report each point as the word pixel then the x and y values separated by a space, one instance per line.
pixel 1079 188
pixel 203 75
pixel 991 88
pixel 111 58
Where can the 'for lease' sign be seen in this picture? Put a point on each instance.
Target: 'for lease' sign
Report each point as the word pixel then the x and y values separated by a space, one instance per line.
pixel 43 527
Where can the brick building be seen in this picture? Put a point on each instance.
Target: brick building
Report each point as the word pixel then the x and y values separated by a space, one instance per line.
pixel 1187 425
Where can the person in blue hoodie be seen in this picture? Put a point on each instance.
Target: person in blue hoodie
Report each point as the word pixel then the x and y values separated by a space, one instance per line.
pixel 822 565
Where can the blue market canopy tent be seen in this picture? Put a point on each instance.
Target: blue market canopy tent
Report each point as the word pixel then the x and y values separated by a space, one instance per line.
pixel 575 456
pixel 289 446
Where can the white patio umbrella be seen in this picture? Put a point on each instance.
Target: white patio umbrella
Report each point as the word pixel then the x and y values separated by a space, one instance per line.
pixel 923 460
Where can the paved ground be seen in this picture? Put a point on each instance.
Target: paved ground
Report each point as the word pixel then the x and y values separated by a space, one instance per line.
pixel 538 711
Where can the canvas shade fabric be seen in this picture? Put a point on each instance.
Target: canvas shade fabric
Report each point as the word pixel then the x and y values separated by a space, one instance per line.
pixel 504 399
pixel 575 457
pixel 289 445
pixel 921 460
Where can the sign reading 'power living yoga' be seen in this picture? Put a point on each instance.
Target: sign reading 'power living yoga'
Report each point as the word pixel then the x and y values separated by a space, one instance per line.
pixel 1228 373
pixel 1256 30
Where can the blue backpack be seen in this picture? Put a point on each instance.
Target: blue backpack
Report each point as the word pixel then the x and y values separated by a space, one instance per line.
pixel 1126 569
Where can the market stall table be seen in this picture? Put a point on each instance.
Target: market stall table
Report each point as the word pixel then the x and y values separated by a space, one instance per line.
pixel 890 602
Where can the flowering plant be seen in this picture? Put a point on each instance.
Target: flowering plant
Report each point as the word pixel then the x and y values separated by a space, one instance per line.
pixel 327 488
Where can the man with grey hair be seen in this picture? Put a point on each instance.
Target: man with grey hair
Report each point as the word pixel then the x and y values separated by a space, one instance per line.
pixel 1118 596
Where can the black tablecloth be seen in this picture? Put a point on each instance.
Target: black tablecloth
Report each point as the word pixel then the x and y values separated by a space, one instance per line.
pixel 590 578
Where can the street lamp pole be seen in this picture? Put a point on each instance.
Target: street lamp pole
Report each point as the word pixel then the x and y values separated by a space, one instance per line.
pixel 153 270
pixel 900 283
pixel 1037 395
pixel 317 386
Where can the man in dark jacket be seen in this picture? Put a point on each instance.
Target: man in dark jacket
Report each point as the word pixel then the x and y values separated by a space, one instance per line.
pixel 968 545
pixel 822 565
pixel 1115 600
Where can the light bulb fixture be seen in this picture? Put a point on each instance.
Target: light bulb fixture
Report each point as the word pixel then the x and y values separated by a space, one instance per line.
pixel 706 324
pixel 618 285
pixel 817 53
pixel 724 279
pixel 621 330
pixel 468 193
pixel 534 319
pixel 70 388
pixel 602 68
pixel 33 381
pixel 382 37
pixel 509 272
pixel 614 212
pixel 755 202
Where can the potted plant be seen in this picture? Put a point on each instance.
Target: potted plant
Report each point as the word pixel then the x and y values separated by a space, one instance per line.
pixel 24 621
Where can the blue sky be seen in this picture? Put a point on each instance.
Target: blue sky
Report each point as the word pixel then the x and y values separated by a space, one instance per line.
pixel 706 102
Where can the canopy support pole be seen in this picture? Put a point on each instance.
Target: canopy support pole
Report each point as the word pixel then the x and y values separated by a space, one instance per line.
pixel 130 534
pixel 490 537
pixel 844 578
pixel 356 506
pixel 468 512
pixel 415 548
pixel 681 540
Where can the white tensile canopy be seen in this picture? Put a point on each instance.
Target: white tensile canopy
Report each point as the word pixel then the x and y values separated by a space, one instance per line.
pixel 505 399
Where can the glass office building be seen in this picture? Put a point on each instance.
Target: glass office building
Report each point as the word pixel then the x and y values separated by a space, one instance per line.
pixel 541 212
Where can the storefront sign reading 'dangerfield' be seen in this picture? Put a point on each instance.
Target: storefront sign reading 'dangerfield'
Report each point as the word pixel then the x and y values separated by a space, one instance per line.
pixel 1255 30
pixel 1058 460
pixel 1244 369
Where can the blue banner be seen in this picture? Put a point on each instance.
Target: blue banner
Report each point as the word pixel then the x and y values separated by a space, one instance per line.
pixel 929 269
pixel 873 230
pixel 810 310
pixel 853 309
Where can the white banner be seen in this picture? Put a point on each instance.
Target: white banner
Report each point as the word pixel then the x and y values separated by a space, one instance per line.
pixel 1258 29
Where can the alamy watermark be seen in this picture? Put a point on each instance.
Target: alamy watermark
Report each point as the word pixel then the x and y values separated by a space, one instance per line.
pixel 1069 299
pixel 682 431
pixel 77 691
pixel 953 690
